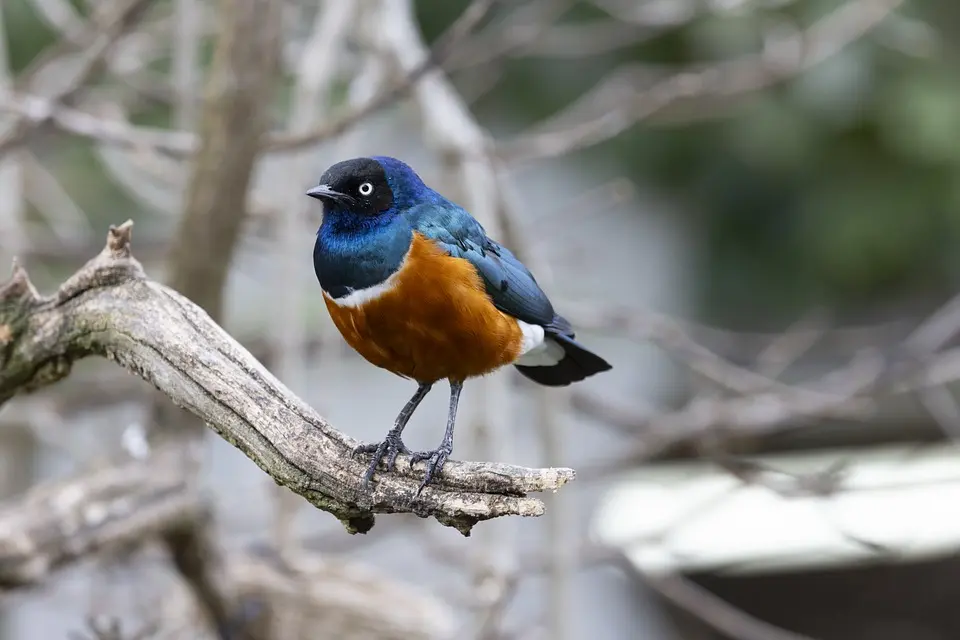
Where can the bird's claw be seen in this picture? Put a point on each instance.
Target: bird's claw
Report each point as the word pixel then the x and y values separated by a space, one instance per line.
pixel 435 461
pixel 390 448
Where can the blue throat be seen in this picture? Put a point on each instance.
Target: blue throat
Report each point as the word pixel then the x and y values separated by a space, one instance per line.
pixel 356 252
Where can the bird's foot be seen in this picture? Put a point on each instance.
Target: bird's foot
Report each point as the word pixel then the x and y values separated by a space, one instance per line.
pixel 435 460
pixel 390 448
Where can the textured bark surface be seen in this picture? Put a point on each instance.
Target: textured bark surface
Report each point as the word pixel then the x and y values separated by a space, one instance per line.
pixel 110 308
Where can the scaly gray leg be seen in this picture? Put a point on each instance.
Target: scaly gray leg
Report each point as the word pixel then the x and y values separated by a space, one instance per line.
pixel 392 445
pixel 438 456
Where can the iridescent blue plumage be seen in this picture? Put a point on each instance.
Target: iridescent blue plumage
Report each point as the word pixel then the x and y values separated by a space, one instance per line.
pixel 377 212
pixel 510 285
pixel 355 253
pixel 360 246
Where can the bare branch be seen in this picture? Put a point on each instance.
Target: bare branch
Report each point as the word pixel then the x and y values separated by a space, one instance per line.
pixel 718 614
pixel 186 55
pixel 64 216
pixel 36 110
pixel 11 169
pixel 110 308
pixel 61 16
pixel 447 42
pixel 56 524
pixel 233 120
pixel 349 600
pixel 113 507
pixel 99 39
pixel 782 59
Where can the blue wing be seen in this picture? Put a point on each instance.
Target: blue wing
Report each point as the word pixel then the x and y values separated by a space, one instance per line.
pixel 508 282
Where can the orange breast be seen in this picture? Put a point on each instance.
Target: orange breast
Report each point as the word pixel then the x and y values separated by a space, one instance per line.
pixel 435 322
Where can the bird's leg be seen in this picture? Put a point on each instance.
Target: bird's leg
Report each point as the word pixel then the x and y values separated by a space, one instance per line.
pixel 438 456
pixel 392 445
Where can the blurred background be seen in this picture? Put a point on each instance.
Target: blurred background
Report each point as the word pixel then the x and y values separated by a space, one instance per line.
pixel 751 208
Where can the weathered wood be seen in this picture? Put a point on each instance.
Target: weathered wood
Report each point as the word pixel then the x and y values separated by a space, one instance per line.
pixel 110 308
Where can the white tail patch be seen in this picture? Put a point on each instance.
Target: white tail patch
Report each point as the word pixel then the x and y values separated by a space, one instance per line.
pixel 536 349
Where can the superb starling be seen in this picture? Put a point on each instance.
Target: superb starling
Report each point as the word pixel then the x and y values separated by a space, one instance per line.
pixel 415 285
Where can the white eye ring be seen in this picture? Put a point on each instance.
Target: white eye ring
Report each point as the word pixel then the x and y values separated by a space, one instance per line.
pixel 365 189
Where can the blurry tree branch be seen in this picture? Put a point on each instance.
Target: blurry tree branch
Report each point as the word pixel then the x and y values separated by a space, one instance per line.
pixel 611 108
pixel 347 599
pixel 36 109
pixel 112 507
pixel 715 612
pixel 445 45
pixel 234 117
pixel 110 308
pixel 63 521
pixel 917 365
pixel 45 75
pixel 614 106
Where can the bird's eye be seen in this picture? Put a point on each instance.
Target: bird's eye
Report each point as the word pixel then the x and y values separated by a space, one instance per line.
pixel 365 189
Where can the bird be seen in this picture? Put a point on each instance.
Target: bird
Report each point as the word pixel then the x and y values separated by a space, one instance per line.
pixel 414 284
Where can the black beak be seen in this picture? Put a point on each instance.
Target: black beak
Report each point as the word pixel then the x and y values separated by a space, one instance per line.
pixel 323 192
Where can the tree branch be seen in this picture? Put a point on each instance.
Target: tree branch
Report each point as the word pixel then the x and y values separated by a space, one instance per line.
pixel 612 107
pixel 445 45
pixel 348 599
pixel 111 308
pixel 55 524
pixel 34 110
pixel 99 38
pixel 235 116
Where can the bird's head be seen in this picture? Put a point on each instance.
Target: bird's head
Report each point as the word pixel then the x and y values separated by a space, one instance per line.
pixel 369 187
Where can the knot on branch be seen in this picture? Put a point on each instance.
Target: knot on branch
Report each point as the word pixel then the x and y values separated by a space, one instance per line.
pixel 17 288
pixel 18 299
pixel 114 265
pixel 118 240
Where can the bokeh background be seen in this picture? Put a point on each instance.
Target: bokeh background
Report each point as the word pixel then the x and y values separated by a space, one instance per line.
pixel 768 212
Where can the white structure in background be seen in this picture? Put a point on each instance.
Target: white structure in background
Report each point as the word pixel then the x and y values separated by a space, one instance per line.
pixel 693 516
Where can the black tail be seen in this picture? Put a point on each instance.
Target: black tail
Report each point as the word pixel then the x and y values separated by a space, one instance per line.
pixel 576 364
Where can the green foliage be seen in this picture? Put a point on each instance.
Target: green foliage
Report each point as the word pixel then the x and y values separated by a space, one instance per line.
pixel 27 35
